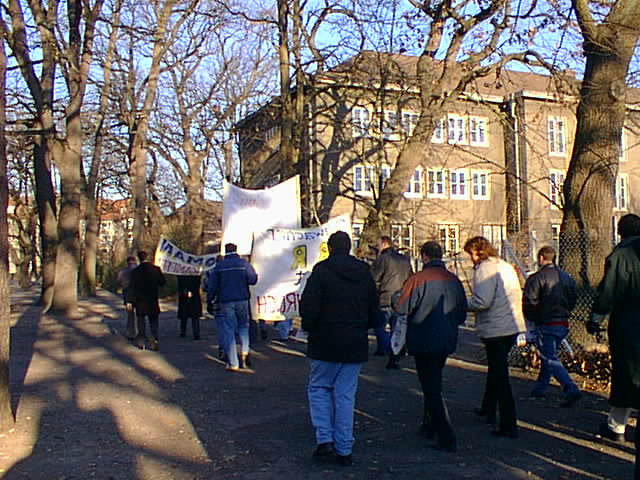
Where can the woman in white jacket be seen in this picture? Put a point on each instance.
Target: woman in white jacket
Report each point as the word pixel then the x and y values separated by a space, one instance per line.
pixel 497 301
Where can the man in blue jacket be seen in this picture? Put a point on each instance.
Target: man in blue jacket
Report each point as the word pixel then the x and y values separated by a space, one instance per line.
pixel 338 306
pixel 435 304
pixel 228 284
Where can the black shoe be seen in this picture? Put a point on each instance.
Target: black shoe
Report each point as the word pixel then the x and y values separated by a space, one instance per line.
pixel 506 433
pixel 491 419
pixel 153 345
pixel 324 451
pixel 605 432
pixel 427 431
pixel 140 342
pixel 571 400
pixel 449 448
pixel 344 460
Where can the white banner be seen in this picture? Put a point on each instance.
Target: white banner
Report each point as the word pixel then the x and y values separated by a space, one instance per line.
pixel 175 261
pixel 248 211
pixel 283 259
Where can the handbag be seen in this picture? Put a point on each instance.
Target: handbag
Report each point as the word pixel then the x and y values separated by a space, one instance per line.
pixel 399 334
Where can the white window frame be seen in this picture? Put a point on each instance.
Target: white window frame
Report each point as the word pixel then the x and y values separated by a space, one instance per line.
pixel 389 126
pixel 623 147
pixel 555 236
pixel 360 122
pixel 557 136
pixel 457 129
pixel 415 187
pixel 356 233
pixel 478 131
pixel 449 237
pixel 556 182
pixel 621 192
pixel 496 234
pixel 459 184
pixel 402 236
pixel 385 173
pixel 480 185
pixel 439 129
pixel 363 174
pixel 409 122
pixel 431 180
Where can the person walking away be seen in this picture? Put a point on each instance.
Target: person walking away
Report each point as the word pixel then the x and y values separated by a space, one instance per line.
pixel 339 304
pixel 146 281
pixel 435 304
pixel 389 270
pixel 618 295
pixel 213 308
pixel 549 297
pixel 497 301
pixel 189 304
pixel 229 285
pixel 124 279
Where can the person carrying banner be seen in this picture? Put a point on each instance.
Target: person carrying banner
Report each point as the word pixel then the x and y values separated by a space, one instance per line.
pixel 146 280
pixel 435 304
pixel 389 271
pixel 189 304
pixel 124 279
pixel 339 304
pixel 228 284
pixel 549 296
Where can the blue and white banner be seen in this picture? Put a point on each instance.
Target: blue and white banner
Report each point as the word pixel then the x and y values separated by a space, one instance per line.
pixel 175 261
pixel 283 259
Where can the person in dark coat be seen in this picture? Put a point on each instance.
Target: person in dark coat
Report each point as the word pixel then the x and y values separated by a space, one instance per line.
pixel 338 306
pixel 146 280
pixel 124 279
pixel 189 304
pixel 389 270
pixel 548 299
pixel 435 304
pixel 619 297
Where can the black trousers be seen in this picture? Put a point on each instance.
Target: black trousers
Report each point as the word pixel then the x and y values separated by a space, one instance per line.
pixel 153 326
pixel 429 368
pixel 498 388
pixel 195 326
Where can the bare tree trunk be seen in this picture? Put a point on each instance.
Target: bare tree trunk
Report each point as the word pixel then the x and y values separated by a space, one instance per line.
pixel 608 48
pixel 6 414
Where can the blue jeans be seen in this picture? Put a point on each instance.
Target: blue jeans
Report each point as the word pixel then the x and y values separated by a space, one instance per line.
pixel 283 328
pixel 236 320
pixel 332 397
pixel 549 337
pixel 219 318
pixel 383 337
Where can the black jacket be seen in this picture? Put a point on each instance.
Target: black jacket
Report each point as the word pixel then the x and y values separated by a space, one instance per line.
pixel 146 280
pixel 549 296
pixel 390 270
pixel 338 305
pixel 189 300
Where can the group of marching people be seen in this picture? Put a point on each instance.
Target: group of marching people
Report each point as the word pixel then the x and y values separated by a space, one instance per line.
pixel 344 298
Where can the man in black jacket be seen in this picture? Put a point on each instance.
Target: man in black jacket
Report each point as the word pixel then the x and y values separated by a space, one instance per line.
pixel 338 305
pixel 390 270
pixel 549 296
pixel 435 304
pixel 146 280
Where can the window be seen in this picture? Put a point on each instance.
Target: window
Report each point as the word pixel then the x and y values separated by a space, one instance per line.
pixel 623 146
pixel 458 184
pixel 362 179
pixel 360 119
pixel 436 181
pixel 409 122
pixel 621 192
pixel 438 131
pixel 389 125
pixel 480 185
pixel 356 233
pixel 402 236
pixel 555 236
pixel 457 129
pixel 557 137
pixel 414 189
pixel 495 234
pixel 556 180
pixel 385 173
pixel 478 131
pixel 271 133
pixel 449 236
